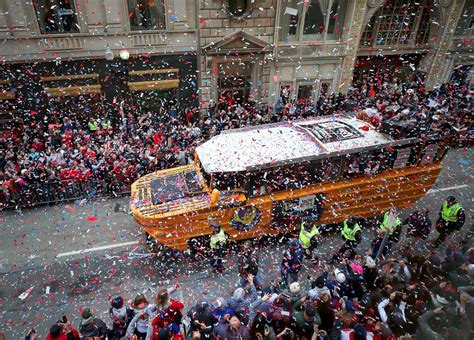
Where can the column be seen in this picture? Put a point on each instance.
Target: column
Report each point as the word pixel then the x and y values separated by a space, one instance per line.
pixel 19 20
pixel 437 61
pixel 352 45
pixel 116 16
pixel 95 14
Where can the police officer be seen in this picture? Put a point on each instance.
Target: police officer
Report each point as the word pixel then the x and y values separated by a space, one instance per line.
pixel 92 125
pixel 351 235
pixel 308 238
pixel 451 218
pixel 218 245
pixel 394 230
pixel 106 124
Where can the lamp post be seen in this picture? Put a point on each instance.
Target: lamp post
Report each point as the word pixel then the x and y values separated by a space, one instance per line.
pixel 118 71
pixel 109 54
pixel 124 54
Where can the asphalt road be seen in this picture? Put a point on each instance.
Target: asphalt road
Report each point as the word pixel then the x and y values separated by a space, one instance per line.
pixel 81 254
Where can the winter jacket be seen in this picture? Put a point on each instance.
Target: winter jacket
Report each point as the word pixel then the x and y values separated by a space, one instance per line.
pixel 72 335
pixel 305 329
pixel 243 305
pixel 248 263
pixel 201 314
pixel 418 225
pixel 161 329
pixel 427 332
pixel 370 275
pixel 171 311
pixel 120 318
pixel 93 327
pixel 294 297
pixel 292 260
pixel 327 319
pixel 259 306
pixel 139 322
pixel 219 313
pixel 469 307
pixel 317 292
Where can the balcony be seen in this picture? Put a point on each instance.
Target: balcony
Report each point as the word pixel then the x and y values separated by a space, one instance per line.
pixel 310 50
pixel 62 43
pixel 149 39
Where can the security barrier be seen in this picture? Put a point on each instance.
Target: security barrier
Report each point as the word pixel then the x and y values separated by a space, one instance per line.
pixel 57 192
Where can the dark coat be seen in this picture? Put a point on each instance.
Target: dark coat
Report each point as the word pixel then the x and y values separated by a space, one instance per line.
pixel 93 327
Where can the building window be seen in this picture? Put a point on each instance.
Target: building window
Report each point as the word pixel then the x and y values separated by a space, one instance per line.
pixel 235 81
pixel 146 14
pixel 466 21
pixel 312 20
pixel 399 22
pixel 305 92
pixel 56 16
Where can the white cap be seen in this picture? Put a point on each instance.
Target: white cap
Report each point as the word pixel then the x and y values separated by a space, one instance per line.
pixel 340 276
pixel 295 288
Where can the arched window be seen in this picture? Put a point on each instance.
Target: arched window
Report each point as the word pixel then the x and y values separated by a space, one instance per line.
pixel 238 8
pixel 399 22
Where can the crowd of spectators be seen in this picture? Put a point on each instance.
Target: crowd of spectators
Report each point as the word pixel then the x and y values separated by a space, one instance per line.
pixel 415 295
pixel 109 153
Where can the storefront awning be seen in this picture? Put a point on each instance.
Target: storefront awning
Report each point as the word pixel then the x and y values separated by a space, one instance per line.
pixel 149 80
pixel 71 85
pixel 72 90
pixel 5 92
pixel 154 85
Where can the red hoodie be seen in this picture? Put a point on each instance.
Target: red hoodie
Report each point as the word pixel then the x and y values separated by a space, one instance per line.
pixel 63 336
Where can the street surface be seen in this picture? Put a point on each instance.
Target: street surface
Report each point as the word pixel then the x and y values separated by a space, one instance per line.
pixel 82 253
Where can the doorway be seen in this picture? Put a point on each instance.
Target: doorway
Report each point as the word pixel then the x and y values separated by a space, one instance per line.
pixel 235 81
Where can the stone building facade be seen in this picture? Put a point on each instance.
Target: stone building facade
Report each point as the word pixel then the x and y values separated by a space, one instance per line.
pixel 304 48
pixel 201 50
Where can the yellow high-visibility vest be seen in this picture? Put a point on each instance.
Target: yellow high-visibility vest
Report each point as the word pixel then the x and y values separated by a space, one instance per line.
pixel 450 214
pixel 218 238
pixel 385 226
pixel 306 236
pixel 349 233
pixel 92 126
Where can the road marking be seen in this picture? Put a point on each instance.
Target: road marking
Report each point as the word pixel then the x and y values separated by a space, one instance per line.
pixel 90 250
pixel 432 191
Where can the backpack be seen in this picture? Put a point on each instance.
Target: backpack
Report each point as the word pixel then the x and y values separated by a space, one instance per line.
pixel 119 325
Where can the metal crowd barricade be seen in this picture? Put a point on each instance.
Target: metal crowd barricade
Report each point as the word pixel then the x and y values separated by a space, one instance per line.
pixel 55 192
